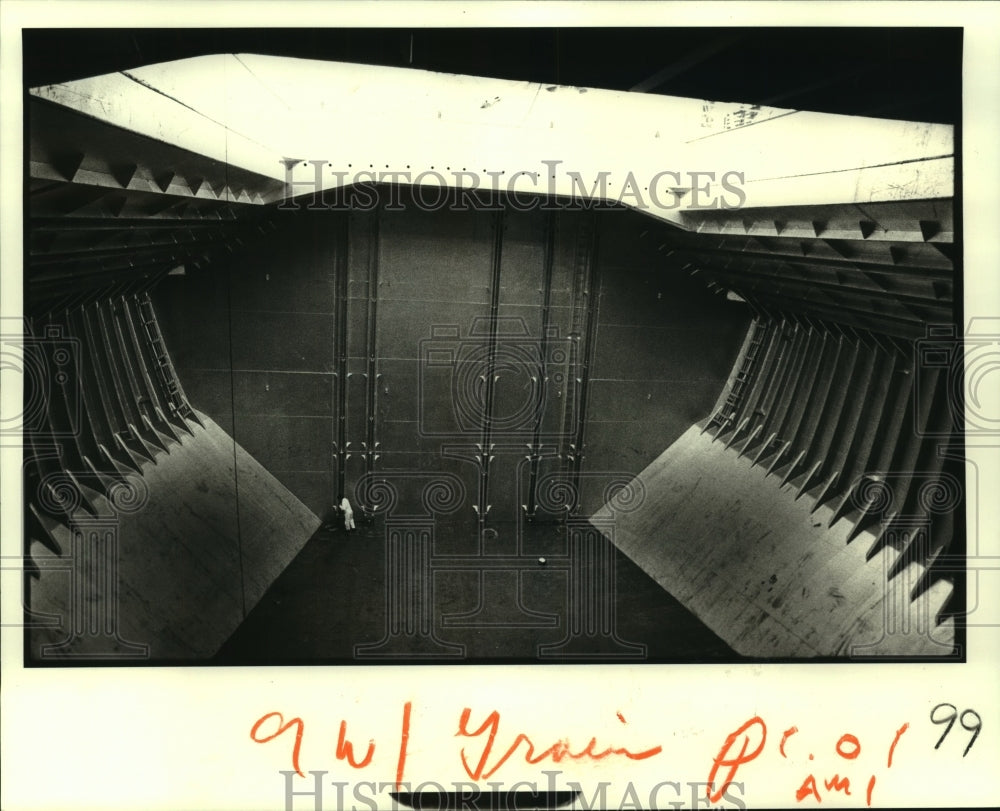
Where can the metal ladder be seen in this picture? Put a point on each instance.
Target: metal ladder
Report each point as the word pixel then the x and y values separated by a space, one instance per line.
pixel 727 414
pixel 176 400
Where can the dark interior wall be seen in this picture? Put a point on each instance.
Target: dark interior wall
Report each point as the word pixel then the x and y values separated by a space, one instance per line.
pixel 346 343
pixel 662 349
pixel 252 341
pixel 434 283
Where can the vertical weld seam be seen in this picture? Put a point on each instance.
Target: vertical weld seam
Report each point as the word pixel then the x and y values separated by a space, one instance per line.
pixel 341 268
pixel 236 467
pixel 491 355
pixel 592 313
pixel 373 274
pixel 550 240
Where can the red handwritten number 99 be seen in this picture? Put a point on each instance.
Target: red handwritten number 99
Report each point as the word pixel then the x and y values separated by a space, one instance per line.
pixel 949 719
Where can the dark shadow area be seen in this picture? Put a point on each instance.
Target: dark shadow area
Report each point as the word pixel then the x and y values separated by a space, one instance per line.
pixel 332 597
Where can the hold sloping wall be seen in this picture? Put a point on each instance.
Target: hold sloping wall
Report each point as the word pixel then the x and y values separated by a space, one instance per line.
pixel 768 574
pixel 170 560
pixel 150 533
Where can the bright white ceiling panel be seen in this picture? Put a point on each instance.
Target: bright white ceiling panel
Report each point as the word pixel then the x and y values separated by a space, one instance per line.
pixel 427 128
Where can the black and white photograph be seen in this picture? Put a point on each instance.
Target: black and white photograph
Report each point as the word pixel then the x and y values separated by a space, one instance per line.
pixel 492 345
pixel 523 405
